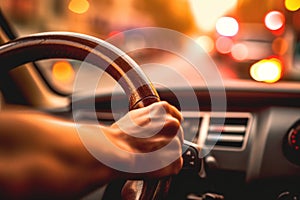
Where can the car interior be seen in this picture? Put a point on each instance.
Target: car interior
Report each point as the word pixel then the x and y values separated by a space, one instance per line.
pixel 232 68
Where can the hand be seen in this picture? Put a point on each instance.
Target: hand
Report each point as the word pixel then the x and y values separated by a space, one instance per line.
pixel 154 137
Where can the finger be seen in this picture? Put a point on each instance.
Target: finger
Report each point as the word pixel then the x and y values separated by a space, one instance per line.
pixel 172 110
pixel 162 108
pixel 180 135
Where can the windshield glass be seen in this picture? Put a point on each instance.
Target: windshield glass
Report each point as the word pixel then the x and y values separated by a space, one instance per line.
pixel 247 39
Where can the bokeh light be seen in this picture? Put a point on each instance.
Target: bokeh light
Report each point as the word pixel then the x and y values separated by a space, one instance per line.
pixel 280 46
pixel 227 26
pixel 79 6
pixel 206 43
pixel 239 51
pixel 274 20
pixel 292 5
pixel 266 70
pixel 63 71
pixel 224 45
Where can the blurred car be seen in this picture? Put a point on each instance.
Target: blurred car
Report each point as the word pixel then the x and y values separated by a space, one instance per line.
pixel 231 67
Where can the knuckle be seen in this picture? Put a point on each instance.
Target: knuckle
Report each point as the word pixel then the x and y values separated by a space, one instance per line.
pixel 162 105
pixel 172 121
pixel 166 106
pixel 172 126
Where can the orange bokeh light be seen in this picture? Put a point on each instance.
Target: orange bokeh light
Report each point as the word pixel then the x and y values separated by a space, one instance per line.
pixel 79 6
pixel 63 71
pixel 280 46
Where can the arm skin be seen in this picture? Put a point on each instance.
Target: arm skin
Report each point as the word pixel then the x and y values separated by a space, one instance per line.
pixel 42 156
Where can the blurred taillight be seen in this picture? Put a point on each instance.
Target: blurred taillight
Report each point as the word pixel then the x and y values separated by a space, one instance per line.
pixel 274 20
pixel 266 70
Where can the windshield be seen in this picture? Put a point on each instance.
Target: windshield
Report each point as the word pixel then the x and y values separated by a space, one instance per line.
pixel 247 39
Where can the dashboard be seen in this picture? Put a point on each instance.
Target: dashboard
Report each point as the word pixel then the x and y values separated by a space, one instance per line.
pixel 249 151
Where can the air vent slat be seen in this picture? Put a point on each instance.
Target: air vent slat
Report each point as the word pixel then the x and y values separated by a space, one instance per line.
pixel 230 144
pixel 231 120
pixel 227 133
pixel 227 128
pixel 226 144
pixel 225 138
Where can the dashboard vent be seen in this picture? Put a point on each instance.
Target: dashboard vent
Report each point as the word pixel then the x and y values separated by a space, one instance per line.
pixel 229 132
pixel 190 127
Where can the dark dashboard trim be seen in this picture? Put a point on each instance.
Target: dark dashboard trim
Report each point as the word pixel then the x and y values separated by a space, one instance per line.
pixel 236 100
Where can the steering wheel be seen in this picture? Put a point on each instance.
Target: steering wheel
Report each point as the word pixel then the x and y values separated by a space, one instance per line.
pixel 116 63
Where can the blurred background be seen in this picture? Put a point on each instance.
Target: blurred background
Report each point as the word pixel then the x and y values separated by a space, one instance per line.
pixel 248 39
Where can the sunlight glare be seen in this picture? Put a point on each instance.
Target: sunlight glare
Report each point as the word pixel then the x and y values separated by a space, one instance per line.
pixel 209 11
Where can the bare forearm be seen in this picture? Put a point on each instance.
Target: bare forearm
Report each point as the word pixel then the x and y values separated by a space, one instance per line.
pixel 46 158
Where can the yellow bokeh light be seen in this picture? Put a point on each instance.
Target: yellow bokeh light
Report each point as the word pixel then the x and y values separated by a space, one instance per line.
pixel 63 71
pixel 206 43
pixel 79 6
pixel 266 70
pixel 292 5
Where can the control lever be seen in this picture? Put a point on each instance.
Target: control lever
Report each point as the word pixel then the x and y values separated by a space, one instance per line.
pixel 190 155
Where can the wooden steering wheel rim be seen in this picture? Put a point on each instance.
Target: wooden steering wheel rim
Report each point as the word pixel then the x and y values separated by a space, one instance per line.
pixel 83 48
